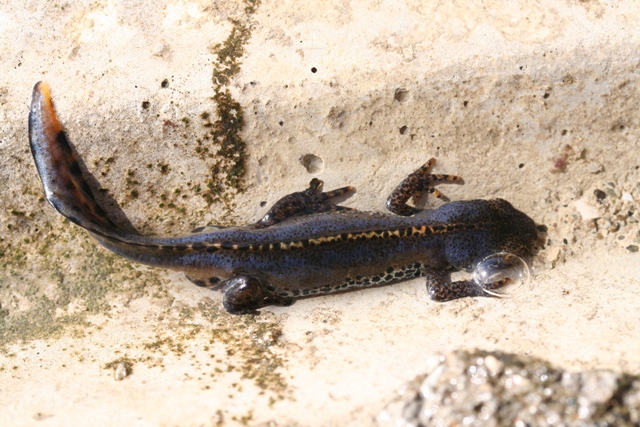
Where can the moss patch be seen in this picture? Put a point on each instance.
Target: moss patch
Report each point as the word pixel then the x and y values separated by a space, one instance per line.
pixel 229 165
pixel 43 294
pixel 253 340
pixel 217 345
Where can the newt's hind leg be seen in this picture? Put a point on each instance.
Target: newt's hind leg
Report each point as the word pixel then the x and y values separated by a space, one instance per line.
pixel 441 290
pixel 245 295
pixel 413 186
pixel 311 200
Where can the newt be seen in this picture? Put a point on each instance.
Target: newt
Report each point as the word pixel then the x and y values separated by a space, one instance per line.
pixel 304 245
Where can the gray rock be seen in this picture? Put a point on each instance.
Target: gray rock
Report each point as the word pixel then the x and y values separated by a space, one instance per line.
pixel 500 389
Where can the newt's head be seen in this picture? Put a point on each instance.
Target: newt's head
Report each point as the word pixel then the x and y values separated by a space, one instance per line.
pixel 518 234
pixel 492 226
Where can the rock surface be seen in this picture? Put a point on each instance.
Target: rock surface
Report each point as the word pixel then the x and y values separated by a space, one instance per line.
pixel 196 112
pixel 497 389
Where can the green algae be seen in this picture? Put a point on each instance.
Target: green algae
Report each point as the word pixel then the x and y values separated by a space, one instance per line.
pixel 39 285
pixel 228 167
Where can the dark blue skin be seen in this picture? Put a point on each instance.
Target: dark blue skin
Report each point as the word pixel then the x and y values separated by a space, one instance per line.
pixel 303 246
pixel 279 276
pixel 308 268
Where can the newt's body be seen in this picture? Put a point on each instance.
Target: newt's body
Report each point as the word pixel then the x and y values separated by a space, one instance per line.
pixel 303 246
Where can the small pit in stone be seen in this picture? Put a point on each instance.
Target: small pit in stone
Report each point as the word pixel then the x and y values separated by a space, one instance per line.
pixel 403 130
pixel 312 163
pixel 401 94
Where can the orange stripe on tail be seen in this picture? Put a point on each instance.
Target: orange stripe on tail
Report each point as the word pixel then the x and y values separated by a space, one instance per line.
pixel 65 184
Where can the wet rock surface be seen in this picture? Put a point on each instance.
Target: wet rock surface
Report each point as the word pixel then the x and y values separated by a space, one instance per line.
pixel 499 389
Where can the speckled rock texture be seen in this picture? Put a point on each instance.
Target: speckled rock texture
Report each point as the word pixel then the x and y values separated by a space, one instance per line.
pixel 498 389
pixel 194 112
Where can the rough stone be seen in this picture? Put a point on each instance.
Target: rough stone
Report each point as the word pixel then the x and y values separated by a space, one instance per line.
pixel 197 112
pixel 519 391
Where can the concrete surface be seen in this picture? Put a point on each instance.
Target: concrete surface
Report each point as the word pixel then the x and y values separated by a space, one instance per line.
pixel 532 102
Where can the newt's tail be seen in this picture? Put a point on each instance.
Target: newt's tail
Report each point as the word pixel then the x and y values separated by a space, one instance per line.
pixel 65 184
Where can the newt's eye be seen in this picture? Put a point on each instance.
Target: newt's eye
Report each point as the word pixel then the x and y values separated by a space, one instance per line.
pixel 501 274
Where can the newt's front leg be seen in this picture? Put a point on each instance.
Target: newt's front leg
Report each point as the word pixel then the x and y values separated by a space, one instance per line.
pixel 413 186
pixel 440 289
